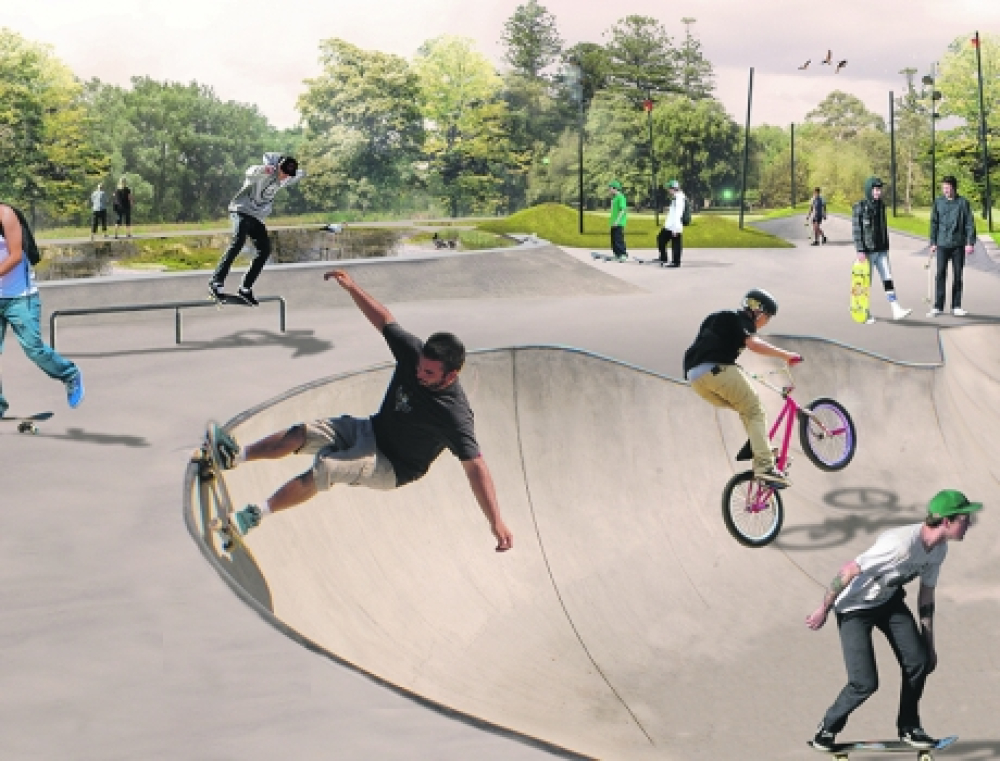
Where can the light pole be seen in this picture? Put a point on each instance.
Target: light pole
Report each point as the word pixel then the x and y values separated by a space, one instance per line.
pixel 935 97
pixel 746 149
pixel 982 136
pixel 648 105
pixel 793 165
pixel 576 82
pixel 892 147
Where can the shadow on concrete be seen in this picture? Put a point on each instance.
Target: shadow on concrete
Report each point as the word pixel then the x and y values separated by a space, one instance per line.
pixel 301 342
pixel 975 750
pixel 887 512
pixel 106 439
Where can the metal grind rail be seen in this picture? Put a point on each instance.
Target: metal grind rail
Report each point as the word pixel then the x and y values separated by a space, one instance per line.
pixel 177 306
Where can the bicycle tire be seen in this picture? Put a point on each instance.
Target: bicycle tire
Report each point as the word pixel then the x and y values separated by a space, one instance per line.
pixel 826 452
pixel 749 527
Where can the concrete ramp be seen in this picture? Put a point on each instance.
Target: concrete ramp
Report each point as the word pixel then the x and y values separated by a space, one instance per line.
pixel 627 623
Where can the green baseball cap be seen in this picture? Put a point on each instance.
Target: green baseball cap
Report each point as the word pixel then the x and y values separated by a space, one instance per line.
pixel 615 184
pixel 949 502
pixel 673 184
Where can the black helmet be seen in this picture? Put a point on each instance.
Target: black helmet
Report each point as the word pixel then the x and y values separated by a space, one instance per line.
pixel 759 300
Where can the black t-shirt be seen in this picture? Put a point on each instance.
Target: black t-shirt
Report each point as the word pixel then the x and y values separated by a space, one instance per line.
pixel 415 424
pixel 123 198
pixel 721 338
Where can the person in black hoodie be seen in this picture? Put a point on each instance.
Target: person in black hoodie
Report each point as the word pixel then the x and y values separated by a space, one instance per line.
pixel 871 240
pixel 953 237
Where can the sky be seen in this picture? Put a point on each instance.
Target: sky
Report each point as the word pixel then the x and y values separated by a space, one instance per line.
pixel 260 51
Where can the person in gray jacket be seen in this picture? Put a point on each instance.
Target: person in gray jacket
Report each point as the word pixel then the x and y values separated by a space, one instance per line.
pixel 953 237
pixel 247 211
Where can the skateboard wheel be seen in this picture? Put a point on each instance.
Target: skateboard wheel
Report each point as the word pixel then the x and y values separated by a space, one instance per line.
pixel 925 757
pixel 26 427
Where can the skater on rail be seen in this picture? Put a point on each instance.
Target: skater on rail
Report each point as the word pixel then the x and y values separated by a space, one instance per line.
pixel 868 593
pixel 247 212
pixel 871 241
pixel 424 411
pixel 710 367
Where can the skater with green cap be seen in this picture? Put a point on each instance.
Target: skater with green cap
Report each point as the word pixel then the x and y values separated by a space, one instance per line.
pixel 619 214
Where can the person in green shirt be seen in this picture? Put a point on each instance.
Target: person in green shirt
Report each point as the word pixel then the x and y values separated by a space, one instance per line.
pixel 617 221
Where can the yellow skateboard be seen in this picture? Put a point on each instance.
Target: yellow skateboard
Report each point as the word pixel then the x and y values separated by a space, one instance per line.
pixel 861 281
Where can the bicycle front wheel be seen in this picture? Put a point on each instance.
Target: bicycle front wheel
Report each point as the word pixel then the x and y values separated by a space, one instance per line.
pixel 753 512
pixel 828 436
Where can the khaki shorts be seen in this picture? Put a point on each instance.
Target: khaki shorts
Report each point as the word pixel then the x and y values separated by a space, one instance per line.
pixel 346 454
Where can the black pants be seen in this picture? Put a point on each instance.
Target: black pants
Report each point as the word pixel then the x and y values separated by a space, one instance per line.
pixel 99 217
pixel 245 226
pixel 955 255
pixel 896 622
pixel 618 241
pixel 676 245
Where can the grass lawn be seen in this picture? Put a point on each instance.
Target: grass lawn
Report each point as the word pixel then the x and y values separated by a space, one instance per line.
pixel 177 255
pixel 468 240
pixel 559 224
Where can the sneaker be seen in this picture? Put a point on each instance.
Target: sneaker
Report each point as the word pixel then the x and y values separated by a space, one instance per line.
pixel 773 477
pixel 74 390
pixel 814 243
pixel 247 294
pixel 226 448
pixel 247 518
pixel 916 737
pixel 959 312
pixel 215 288
pixel 824 740
pixel 824 240
pixel 672 264
pixel 934 313
pixel 870 320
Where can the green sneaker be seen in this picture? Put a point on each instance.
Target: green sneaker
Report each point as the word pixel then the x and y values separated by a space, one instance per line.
pixel 247 518
pixel 226 448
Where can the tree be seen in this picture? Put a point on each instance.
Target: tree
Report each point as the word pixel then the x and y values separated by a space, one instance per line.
pixel 48 160
pixel 844 116
pixel 641 59
pixel 696 75
pixel 595 62
pixel 912 142
pixel 531 40
pixel 363 127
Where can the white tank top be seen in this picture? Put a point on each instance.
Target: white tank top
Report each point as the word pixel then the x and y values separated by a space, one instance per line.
pixel 20 281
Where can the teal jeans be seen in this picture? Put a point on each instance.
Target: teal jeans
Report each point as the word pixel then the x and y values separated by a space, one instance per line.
pixel 23 314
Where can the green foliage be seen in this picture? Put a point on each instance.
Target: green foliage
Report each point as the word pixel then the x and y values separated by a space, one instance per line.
pixel 844 116
pixel 559 224
pixel 364 128
pixel 642 59
pixel 696 75
pixel 595 61
pixel 530 40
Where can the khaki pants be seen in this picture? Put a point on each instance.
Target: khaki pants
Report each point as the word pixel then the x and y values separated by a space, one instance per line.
pixel 731 389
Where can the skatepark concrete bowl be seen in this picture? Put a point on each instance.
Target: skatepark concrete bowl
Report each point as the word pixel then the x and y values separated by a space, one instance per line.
pixel 626 623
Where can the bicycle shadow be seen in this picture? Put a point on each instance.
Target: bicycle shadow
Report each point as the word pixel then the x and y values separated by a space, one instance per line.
pixel 873 510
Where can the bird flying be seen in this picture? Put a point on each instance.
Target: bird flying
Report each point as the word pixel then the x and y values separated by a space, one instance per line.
pixel 806 64
pixel 840 65
pixel 829 57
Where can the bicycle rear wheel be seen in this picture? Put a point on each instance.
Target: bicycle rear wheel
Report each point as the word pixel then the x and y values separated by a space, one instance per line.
pixel 753 513
pixel 829 446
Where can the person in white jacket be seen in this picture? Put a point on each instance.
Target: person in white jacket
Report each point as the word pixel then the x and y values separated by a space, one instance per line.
pixel 673 227
pixel 247 211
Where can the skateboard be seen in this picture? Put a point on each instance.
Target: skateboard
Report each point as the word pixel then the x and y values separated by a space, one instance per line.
pixel 649 261
pixel 861 281
pixel 229 536
pixel 229 298
pixel 842 751
pixel 929 298
pixel 603 257
pixel 27 424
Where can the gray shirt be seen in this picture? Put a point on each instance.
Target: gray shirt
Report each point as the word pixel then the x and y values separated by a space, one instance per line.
pixel 256 197
pixel 98 200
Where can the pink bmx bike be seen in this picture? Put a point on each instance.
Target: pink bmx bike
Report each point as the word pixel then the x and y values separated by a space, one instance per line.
pixel 753 510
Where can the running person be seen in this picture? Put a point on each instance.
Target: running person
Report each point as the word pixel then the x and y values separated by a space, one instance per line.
pixel 619 215
pixel 424 411
pixel 710 367
pixel 868 594
pixel 247 212
pixel 817 215
pixel 21 308
pixel 871 240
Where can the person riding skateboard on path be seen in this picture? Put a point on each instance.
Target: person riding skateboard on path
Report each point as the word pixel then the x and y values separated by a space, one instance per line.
pixel 868 593
pixel 21 308
pixel 816 215
pixel 710 367
pixel 953 237
pixel 673 227
pixel 247 212
pixel 619 215
pixel 871 241
pixel 424 411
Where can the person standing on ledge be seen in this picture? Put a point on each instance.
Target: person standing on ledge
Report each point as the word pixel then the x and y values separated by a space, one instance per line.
pixel 247 212
pixel 99 209
pixel 123 207
pixel 21 308
pixel 619 215
pixel 424 412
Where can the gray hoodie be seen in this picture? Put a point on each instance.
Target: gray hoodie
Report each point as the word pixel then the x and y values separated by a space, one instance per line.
pixel 952 224
pixel 256 197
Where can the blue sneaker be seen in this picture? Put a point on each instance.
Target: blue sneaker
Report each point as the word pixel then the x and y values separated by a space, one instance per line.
pixel 226 448
pixel 247 518
pixel 74 390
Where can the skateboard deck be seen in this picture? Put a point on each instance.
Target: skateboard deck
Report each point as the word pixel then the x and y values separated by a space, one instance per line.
pixel 230 298
pixel 603 257
pixel 27 424
pixel 842 751
pixel 228 534
pixel 648 261
pixel 861 281
pixel 929 298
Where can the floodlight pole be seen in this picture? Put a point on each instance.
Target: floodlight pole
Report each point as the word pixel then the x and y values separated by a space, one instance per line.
pixel 892 147
pixel 746 149
pixel 983 137
pixel 793 165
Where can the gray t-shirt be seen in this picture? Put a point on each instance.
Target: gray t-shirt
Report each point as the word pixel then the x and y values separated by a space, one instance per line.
pixel 897 557
pixel 98 200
